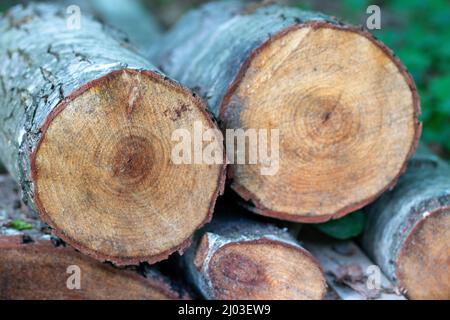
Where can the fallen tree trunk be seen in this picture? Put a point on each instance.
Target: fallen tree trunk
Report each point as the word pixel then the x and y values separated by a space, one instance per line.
pixel 242 259
pixel 86 128
pixel 346 108
pixel 408 229
pixel 34 265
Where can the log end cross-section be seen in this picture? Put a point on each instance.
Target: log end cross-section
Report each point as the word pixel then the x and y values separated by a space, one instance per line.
pixel 423 266
pixel 264 269
pixel 103 174
pixel 347 114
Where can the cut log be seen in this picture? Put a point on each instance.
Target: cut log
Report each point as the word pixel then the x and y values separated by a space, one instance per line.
pixel 346 108
pixel 86 128
pixel 34 265
pixel 408 230
pixel 39 270
pixel 243 259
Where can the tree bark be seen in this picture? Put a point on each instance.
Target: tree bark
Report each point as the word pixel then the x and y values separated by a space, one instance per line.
pixel 408 229
pixel 35 265
pixel 345 107
pixel 86 128
pixel 243 259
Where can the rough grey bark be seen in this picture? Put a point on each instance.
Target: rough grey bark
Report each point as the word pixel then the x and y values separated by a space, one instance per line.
pixel 42 62
pixel 225 230
pixel 207 48
pixel 422 190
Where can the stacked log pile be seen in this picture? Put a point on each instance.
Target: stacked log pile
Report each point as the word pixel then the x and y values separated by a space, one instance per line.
pixel 345 107
pixel 87 125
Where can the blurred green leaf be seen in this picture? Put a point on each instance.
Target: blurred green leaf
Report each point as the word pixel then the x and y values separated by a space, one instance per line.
pixel 20 225
pixel 347 227
pixel 439 88
pixel 417 62
pixel 5 4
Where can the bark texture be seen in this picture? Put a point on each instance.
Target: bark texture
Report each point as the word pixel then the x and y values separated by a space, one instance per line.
pixel 207 48
pixel 243 259
pixel 36 265
pixel 42 63
pixel 408 229
pixel 86 127
pixel 345 107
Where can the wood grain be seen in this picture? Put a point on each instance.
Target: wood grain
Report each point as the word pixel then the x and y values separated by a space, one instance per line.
pixel 35 265
pixel 346 109
pixel 239 259
pixel 38 271
pixel 408 229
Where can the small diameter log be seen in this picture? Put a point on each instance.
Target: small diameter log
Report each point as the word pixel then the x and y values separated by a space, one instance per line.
pixel 86 128
pixel 346 108
pixel 242 259
pixel 408 229
pixel 34 265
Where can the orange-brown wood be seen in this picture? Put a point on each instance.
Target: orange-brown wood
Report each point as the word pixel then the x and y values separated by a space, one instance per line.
pixel 424 263
pixel 235 258
pixel 347 115
pixel 345 107
pixel 265 270
pixel 87 132
pixel 103 173
pixel 39 271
